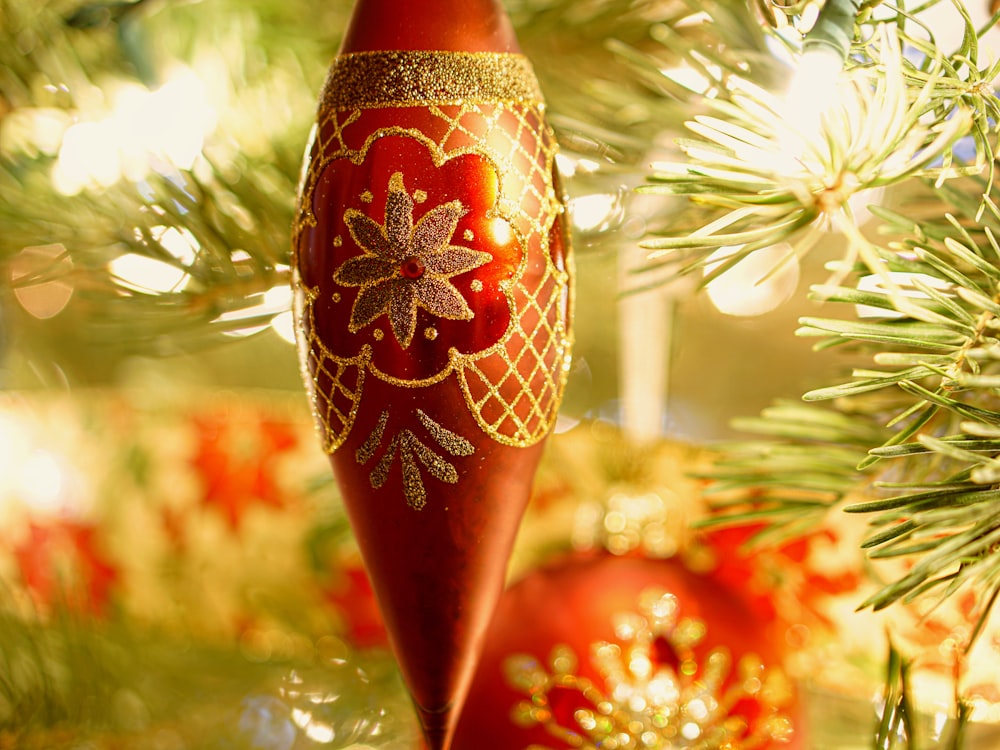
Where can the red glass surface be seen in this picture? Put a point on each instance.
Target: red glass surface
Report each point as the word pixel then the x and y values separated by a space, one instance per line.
pixel 456 25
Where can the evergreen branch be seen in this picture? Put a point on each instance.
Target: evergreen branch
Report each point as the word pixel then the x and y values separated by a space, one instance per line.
pixel 898 712
pixel 898 728
pixel 932 327
pixel 938 298
pixel 218 228
pixel 750 168
pixel 790 482
pixel 952 530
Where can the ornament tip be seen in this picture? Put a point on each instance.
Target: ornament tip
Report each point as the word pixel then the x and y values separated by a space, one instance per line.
pixel 437 727
pixel 454 25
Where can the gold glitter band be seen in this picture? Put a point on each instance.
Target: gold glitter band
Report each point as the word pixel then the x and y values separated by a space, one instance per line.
pixel 397 78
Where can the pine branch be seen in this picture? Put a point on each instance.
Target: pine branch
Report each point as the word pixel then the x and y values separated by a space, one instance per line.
pixel 927 405
pixel 219 228
pixel 937 461
pixel 803 465
pixel 899 727
pixel 760 177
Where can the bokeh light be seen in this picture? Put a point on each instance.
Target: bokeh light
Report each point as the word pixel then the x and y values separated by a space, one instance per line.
pixel 161 129
pixel 756 284
pixel 591 211
pixel 39 276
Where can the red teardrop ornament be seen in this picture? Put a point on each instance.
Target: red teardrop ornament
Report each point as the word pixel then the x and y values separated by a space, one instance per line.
pixel 433 293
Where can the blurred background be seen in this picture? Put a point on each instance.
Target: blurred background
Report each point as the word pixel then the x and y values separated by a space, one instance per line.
pixel 175 567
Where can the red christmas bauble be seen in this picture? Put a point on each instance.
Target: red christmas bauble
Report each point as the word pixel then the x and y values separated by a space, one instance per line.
pixel 433 295
pixel 596 651
pixel 350 595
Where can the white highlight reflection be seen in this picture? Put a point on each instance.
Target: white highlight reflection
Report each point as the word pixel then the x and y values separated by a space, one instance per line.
pixel 44 290
pixel 590 211
pixel 144 129
pixel 756 284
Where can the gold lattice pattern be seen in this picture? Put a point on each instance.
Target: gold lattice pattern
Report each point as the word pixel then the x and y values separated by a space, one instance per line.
pixel 519 407
pixel 334 383
pixel 641 705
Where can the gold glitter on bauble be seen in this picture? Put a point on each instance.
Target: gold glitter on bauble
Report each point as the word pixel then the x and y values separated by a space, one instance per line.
pixel 595 651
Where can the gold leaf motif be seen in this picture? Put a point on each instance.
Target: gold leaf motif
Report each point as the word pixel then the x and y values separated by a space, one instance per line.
pixel 455 444
pixel 413 453
pixel 367 450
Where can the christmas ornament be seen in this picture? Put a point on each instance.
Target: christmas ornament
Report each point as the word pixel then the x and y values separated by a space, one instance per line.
pixel 349 592
pixel 433 296
pixel 601 651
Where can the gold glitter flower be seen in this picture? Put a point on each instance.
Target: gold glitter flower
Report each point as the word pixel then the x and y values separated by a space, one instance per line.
pixel 643 702
pixel 407 265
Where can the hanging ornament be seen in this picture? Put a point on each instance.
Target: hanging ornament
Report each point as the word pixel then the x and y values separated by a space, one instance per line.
pixel 601 651
pixel 433 294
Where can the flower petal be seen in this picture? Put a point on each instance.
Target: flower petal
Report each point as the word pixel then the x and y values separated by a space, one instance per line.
pixel 403 311
pixel 455 260
pixel 441 298
pixel 371 302
pixel 367 233
pixel 364 269
pixel 435 228
pixel 398 217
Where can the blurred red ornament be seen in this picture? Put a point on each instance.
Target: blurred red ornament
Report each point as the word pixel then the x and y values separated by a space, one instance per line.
pixel 62 565
pixel 643 653
pixel 789 582
pixel 236 457
pixel 350 593
pixel 433 296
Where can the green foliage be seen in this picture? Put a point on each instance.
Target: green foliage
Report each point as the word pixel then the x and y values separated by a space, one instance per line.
pixel 916 424
pixel 760 168
pixel 803 465
pixel 900 726
pixel 77 682
pixel 231 207
pixel 936 363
